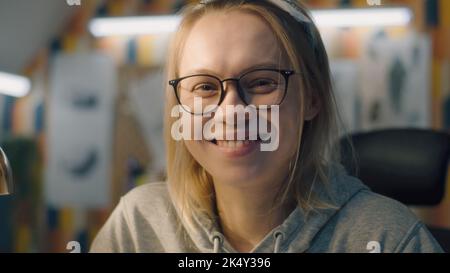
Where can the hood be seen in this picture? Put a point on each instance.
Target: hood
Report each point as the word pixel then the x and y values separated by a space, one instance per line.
pixel 296 232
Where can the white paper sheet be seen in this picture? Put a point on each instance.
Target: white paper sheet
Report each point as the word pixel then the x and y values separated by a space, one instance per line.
pixel 395 82
pixel 147 95
pixel 80 130
pixel 345 87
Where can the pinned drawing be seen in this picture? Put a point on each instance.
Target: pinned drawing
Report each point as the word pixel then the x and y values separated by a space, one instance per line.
pixel 80 130
pixel 395 81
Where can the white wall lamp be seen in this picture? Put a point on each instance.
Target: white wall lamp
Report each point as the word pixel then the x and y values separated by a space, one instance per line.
pixel 347 17
pixel 14 85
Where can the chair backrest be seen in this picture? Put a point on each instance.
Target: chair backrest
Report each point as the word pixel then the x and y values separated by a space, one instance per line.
pixel 409 165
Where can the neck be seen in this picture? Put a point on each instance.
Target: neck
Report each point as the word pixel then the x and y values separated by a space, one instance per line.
pixel 247 215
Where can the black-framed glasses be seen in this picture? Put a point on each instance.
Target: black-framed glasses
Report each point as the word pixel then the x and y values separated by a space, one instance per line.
pixel 260 87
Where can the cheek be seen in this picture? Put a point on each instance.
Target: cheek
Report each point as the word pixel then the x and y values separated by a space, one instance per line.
pixel 290 122
pixel 197 148
pixel 199 151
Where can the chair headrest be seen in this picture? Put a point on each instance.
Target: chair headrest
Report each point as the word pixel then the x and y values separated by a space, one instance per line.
pixel 409 165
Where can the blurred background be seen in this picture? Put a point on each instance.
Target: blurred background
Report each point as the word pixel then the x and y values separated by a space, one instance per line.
pixel 81 99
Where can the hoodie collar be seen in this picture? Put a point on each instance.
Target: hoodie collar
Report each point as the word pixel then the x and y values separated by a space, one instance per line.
pixel 296 232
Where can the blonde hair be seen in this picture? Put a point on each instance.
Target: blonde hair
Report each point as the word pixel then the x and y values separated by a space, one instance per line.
pixel 190 186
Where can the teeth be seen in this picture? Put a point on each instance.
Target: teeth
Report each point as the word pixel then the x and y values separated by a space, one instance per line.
pixel 233 143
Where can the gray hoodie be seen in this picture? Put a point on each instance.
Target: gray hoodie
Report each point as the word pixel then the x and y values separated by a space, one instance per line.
pixel 363 221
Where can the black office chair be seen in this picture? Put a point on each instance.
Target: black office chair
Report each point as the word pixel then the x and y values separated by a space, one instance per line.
pixel 409 165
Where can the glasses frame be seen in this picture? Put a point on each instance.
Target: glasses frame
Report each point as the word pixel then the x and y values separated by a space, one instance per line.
pixel 284 72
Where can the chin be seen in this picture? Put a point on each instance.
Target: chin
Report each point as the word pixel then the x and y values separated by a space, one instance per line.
pixel 239 175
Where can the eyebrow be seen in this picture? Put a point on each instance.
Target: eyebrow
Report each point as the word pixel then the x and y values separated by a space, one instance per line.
pixel 248 69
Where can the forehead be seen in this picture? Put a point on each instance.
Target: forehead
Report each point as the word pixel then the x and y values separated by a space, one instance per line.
pixel 228 42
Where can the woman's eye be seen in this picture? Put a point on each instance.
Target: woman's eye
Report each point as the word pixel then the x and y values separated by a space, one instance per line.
pixel 262 82
pixel 205 87
pixel 262 85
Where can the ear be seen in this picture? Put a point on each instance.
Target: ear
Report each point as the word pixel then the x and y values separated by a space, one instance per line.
pixel 312 107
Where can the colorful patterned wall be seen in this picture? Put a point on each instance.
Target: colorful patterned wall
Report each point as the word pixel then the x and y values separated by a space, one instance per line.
pixel 32 226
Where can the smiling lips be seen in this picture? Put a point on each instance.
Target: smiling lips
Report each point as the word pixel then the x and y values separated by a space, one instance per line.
pixel 233 143
pixel 235 148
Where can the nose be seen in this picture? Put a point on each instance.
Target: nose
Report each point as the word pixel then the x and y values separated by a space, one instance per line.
pixel 231 93
pixel 233 116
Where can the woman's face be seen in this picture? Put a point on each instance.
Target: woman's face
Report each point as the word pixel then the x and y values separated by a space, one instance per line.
pixel 225 44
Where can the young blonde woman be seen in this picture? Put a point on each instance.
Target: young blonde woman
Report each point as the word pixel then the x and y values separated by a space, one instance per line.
pixel 231 195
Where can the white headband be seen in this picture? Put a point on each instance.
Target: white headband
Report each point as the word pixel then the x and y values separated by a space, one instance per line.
pixel 289 6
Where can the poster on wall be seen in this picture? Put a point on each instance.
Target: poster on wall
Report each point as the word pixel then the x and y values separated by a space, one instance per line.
pixel 80 130
pixel 345 87
pixel 395 81
pixel 146 94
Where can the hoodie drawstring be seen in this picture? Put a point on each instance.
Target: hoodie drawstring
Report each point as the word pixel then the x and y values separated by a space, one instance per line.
pixel 217 239
pixel 279 236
